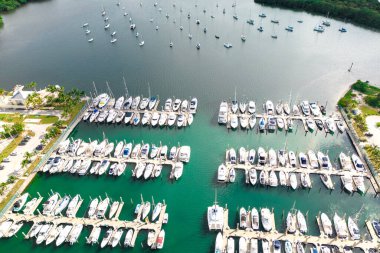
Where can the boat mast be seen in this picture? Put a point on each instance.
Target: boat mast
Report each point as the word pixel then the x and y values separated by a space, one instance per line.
pixel 149 90
pixel 96 92
pixel 109 89
pixel 125 85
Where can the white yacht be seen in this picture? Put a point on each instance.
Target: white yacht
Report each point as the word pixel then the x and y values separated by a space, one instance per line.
pixel 359 166
pixel 313 160
pixel 215 216
pixel 255 219
pixel 324 161
pixel 326 224
pixel 222 173
pixel 301 221
pixel 266 219
pixel 269 108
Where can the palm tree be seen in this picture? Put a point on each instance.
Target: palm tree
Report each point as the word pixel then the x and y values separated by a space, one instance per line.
pixel 28 156
pixel 32 85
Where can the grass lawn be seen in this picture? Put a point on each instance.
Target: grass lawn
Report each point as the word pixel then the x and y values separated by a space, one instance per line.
pixel 11 118
pixel 9 149
pixel 75 111
pixel 11 193
pixel 44 119
pixel 367 110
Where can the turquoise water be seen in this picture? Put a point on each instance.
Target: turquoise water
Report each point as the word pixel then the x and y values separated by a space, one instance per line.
pixel 307 65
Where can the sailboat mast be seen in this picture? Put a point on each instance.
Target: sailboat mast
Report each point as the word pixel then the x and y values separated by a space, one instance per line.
pixel 96 92
pixel 125 85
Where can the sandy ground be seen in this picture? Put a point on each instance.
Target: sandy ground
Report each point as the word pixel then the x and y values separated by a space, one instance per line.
pixel 372 128
pixel 14 165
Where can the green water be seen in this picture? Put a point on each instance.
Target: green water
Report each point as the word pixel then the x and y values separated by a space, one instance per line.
pixel 44 42
pixel 188 198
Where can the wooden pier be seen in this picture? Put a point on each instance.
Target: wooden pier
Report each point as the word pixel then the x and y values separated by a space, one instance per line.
pixel 137 225
pixel 316 241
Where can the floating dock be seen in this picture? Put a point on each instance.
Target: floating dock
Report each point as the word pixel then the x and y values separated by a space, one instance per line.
pixel 316 241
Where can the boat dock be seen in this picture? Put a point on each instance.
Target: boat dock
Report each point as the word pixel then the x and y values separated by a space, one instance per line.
pixel 137 225
pixel 316 241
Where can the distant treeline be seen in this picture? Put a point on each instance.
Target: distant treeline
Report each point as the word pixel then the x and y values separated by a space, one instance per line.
pixel 361 12
pixel 8 5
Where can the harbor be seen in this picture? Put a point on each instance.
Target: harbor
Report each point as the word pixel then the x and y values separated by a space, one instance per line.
pixel 54 219
pixel 313 117
pixel 248 236
pixel 104 108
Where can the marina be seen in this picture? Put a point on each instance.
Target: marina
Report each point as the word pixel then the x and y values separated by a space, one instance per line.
pixel 280 117
pixel 98 158
pixel 295 237
pixel 141 111
pixel 39 220
pixel 231 53
pixel 293 170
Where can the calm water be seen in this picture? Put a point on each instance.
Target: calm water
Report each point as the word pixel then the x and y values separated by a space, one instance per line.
pixel 44 42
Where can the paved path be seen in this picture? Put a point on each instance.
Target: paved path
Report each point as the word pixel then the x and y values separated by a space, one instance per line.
pixel 372 128
pixel 31 112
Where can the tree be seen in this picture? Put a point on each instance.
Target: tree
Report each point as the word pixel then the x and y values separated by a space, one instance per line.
pixel 28 156
pixel 24 163
pixel 34 100
pixel 2 92
pixel 59 123
pixel 31 85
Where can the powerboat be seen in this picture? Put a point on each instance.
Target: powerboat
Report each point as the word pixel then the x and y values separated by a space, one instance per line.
pixel 94 235
pixel 230 245
pixel 160 239
pixel 172 119
pixel 232 156
pixel 353 229
pixel 340 226
pixel 129 116
pixel 292 159
pixel 326 180
pixel 119 103
pixel 286 108
pixel 20 202
pixel 215 216
pixel 345 162
pixel 242 107
pixel 301 221
pixel 156 211
pixel 63 235
pixel 295 110
pixel 251 156
pixel 53 234
pixel 102 208
pixel 145 210
pixel 243 218
pixel 115 238
pixel 359 183
pixel 313 160
pixel 305 180
pixel 72 206
pixel 282 157
pixel 305 107
pixel 113 209
pixel 155 119
pixel 242 155
pixel 251 107
pixel 272 158
pixel 283 178
pixel 107 237
pixel 291 223
pixel 184 105
pixel 273 181
pixel 219 243
pixel 50 204
pixel 269 107
pixel 324 161
pixel 314 108
pixel 252 121
pixel 255 219
pixel 266 219
pixel 163 119
pixel 222 116
pixel 326 224
pixel 184 154
pixel 222 173
pixel 232 175
pixel 62 204
pixel 168 105
pixel 128 238
pixel 242 245
pixel 252 176
pixel 128 103
pixel 176 104
pixel 244 121
pixel 310 124
pixel 280 123
pixel 264 177
pixel 347 183
pixel 234 121
pixel 279 108
pixel 148 170
pixel 262 156
pixel 330 124
pixel 359 166
pixel 293 180
pixel 152 103
pixel 135 102
pixel 178 170
pixel 193 105
pixel 288 247
pixel 139 169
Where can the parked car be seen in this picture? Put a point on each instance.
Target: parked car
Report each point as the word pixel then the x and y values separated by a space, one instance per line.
pixel 1 167
pixel 6 160
pixel 40 147
pixel 376 227
pixel 13 154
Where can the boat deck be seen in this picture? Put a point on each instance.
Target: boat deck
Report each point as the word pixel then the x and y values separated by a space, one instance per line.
pixel 317 241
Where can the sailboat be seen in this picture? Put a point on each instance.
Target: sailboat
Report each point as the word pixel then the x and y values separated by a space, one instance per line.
pixel 190 35
pixel 242 36
pixel 250 20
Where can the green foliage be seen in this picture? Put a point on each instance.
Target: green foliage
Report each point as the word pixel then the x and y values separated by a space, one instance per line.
pixel 374 155
pixel 378 124
pixel 362 12
pixel 346 101
pixel 365 88
pixel 1 21
pixel 34 100
pixel 373 100
pixel 12 130
pixel 360 123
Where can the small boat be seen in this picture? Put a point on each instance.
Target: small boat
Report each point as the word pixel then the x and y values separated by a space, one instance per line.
pixel 62 204
pixel 107 26
pixel 219 243
pixel 102 208
pixel 53 234
pixel 92 208
pixel 330 124
pixel 359 183
pixel 326 180
pixel 262 124
pixel 359 166
pixel 145 210
pixel 6 225
pixel 242 155
pixel 340 225
pixel 128 238
pixel 342 30
pixel 114 241
pixel 301 221
pixel 20 202
pixel 282 157
pixel 272 157
pixel 43 233
pixel 234 121
pixel 178 170
pixel 293 180
pixel 264 177
pixel 243 218
pixel 172 119
pixel 63 235
pixel 139 169
pixel 113 209
pixel 319 124
pixel 232 156
pixel 265 246
pixel 292 159
pixel 324 161
pixel 284 177
pixel 29 206
pixel 353 229
pixel 222 173
pixel 252 176
pixel 291 223
pixel 173 153
pixel 266 219
pixel 227 45
pixel 50 204
pixel 288 247
pixel 313 160
pixel 94 235
pixel 156 211
pixel 255 219
pixel 269 108
pixel 310 124
pixel 242 245
pixel 230 245
pixel 273 181
pixel 262 156
pixel 244 121
pixel 347 183
pixel 72 205
pixel 305 180
pixel 160 239
pixel 148 170
pixel 106 237
pixel 232 175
